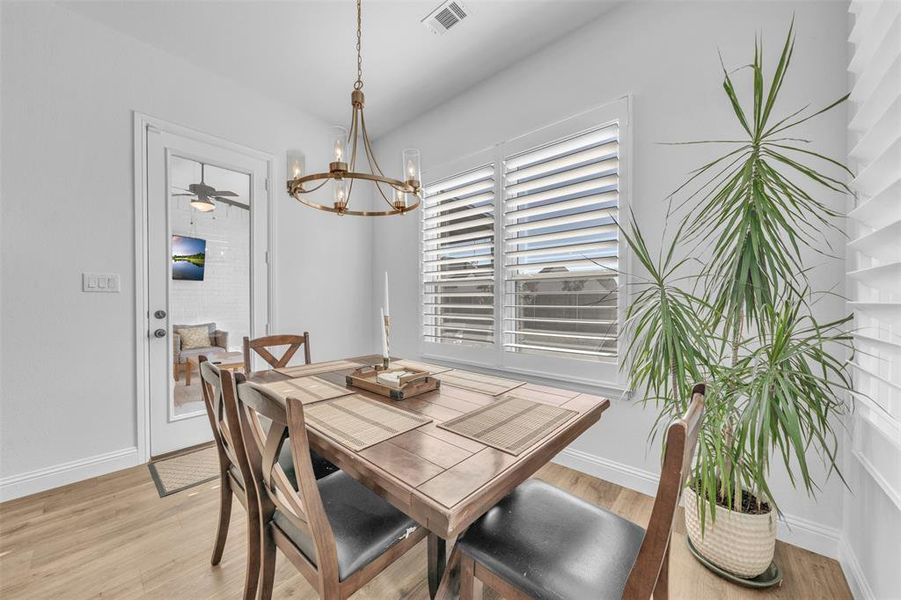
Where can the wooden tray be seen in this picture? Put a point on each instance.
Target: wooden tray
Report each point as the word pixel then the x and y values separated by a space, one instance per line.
pixel 418 382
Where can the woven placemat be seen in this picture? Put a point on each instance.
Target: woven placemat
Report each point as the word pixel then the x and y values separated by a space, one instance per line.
pixel 307 389
pixel 420 366
pixel 510 424
pixel 314 369
pixel 338 377
pixel 358 422
pixel 486 384
pixel 185 471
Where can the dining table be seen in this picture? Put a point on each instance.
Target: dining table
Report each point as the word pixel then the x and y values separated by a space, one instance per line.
pixel 441 479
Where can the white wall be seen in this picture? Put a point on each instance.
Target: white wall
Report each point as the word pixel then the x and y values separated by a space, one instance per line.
pixel 663 54
pixel 69 86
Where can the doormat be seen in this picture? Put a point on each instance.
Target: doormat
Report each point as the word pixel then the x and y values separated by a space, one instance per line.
pixel 184 471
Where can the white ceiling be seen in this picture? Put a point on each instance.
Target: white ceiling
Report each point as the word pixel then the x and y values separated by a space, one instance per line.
pixel 302 52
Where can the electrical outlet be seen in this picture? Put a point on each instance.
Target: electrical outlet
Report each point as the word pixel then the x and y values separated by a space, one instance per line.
pixel 100 282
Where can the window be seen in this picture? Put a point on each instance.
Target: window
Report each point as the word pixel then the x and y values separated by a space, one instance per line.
pixel 874 255
pixel 560 247
pixel 520 252
pixel 458 259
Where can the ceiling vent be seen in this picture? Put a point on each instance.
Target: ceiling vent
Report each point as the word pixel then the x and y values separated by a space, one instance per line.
pixel 445 16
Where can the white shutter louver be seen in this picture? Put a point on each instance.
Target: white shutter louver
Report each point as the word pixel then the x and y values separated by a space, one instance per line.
pixel 874 252
pixel 458 259
pixel 561 247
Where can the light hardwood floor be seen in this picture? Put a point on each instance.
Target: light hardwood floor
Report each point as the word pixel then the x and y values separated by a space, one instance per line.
pixel 114 537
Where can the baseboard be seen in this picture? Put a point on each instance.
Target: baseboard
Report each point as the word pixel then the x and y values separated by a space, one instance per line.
pixel 25 484
pixel 857 581
pixel 809 535
pixel 609 470
pixel 794 530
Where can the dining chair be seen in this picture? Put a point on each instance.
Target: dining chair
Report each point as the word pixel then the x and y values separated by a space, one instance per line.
pixel 261 346
pixel 221 408
pixel 540 542
pixel 335 531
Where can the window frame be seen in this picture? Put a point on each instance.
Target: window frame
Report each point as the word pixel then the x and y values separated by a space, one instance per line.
pixel 591 373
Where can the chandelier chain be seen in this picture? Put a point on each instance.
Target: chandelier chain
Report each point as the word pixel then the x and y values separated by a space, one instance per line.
pixel 359 83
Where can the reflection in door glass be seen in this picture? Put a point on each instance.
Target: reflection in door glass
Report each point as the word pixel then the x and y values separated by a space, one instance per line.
pixel 209 290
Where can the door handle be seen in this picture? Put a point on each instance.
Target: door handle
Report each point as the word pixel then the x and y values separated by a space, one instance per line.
pixel 160 314
pixel 159 333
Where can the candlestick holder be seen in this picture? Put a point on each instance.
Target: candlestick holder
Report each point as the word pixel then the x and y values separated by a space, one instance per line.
pixel 386 359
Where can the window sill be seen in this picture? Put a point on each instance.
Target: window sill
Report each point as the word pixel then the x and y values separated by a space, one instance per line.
pixel 610 390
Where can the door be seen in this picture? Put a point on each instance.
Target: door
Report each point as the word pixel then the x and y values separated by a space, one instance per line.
pixel 207 236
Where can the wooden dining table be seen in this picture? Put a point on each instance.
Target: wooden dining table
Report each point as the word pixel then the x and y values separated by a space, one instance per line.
pixel 443 480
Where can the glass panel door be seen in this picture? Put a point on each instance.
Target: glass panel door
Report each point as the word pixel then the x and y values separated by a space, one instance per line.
pixel 207 272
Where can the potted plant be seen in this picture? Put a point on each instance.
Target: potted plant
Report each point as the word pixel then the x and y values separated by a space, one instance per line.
pixel 728 301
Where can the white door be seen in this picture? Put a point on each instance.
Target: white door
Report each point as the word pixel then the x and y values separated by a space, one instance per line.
pixel 207 273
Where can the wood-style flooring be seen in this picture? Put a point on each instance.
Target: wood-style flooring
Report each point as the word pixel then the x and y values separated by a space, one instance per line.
pixel 114 537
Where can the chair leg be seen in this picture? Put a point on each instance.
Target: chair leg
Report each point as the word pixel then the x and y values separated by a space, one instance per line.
pixel 450 580
pixel 252 574
pixel 175 368
pixel 225 513
pixel 661 589
pixel 470 587
pixel 267 574
pixel 436 561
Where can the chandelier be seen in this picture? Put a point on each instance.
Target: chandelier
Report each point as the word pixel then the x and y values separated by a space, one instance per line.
pixel 402 196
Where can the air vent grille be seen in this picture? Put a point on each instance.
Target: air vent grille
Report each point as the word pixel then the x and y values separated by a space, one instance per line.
pixel 445 16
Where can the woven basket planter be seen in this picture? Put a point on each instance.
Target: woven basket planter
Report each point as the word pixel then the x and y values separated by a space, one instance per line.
pixel 740 543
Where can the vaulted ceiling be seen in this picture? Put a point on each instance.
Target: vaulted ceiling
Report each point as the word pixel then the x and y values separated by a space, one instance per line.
pixel 302 53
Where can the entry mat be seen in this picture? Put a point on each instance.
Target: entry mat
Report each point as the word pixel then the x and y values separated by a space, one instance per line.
pixel 185 470
pixel 510 424
pixel 358 422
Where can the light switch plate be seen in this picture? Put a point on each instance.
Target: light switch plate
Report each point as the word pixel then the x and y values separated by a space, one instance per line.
pixel 100 282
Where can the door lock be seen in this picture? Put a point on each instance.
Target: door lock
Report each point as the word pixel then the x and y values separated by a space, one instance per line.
pixel 160 314
pixel 159 333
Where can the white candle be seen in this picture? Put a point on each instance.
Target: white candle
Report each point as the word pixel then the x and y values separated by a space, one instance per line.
pixel 387 309
pixel 384 333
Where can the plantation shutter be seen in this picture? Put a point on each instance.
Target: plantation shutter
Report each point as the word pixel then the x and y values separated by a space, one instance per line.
pixel 458 259
pixel 561 248
pixel 874 252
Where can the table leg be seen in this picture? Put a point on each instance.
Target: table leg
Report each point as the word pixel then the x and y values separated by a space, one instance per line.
pixel 187 372
pixel 437 558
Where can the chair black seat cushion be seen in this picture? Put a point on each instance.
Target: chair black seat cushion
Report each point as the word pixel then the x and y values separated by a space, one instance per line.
pixel 552 545
pixel 364 525
pixel 321 466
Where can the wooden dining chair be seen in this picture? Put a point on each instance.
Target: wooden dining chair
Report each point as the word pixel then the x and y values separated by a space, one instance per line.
pixel 261 346
pixel 221 407
pixel 335 531
pixel 540 542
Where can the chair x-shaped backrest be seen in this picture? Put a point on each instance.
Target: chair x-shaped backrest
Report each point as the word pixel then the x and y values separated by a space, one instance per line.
pixel 262 345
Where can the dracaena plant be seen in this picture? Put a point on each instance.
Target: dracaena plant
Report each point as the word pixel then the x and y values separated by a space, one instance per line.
pixel 728 300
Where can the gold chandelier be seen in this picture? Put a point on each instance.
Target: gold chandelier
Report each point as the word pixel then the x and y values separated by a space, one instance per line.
pixel 402 195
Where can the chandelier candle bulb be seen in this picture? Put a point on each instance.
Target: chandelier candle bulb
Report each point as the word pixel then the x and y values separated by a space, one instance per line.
pixel 339 149
pixel 400 200
pixel 411 165
pixel 340 194
pixel 295 164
